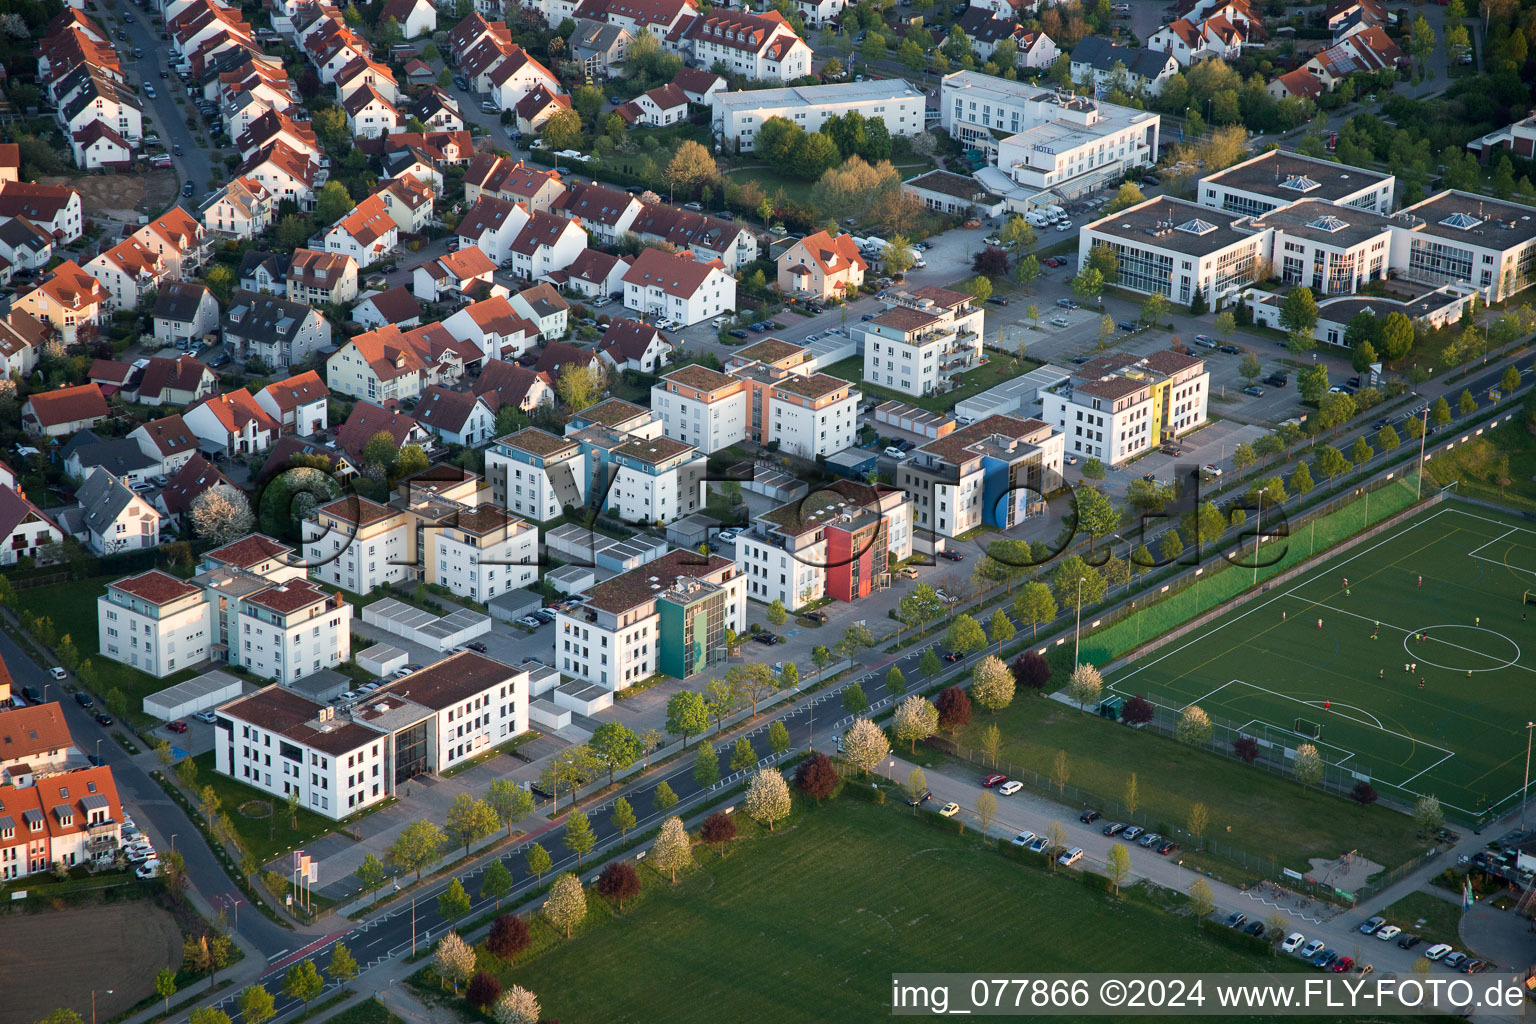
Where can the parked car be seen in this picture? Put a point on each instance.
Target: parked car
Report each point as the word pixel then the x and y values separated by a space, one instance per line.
pixel 1437 951
pixel 739 333
pixel 1205 341
pixel 1089 817
pixel 892 452
pixel 1236 919
pixel 1325 959
pixel 476 646
pixel 1024 838
pixel 1131 832
pixel 1388 933
pixel 952 555
pixel 1010 787
pixel 1071 857
pixel 1114 828
pixel 1454 960
pixel 1408 940
pixel 58 673
pixel 1126 325
pixel 1342 964
pixel 176 726
pixel 84 699
pixel 1168 847
pixel 149 869
pixel 998 300
pixel 1066 303
pixel 206 716
pixel 1311 949
pixel 1039 844
pixel 950 809
pixel 1211 469
pixel 908 571
pixel 102 718
pixel 915 801
pixel 994 780
pixel 1061 321
pixel 1255 392
pixel 1293 942
pixel 1256 929
pixel 816 616
pixel 1149 840
pixel 1370 926
pixel 1277 380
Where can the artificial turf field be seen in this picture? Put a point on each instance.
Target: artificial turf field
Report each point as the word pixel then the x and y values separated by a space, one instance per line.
pixel 1269 671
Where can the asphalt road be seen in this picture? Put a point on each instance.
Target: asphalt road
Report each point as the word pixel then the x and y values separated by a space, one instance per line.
pixel 195 164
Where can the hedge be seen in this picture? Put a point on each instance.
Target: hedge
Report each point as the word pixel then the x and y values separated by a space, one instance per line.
pixel 1237 938
pixel 954 824
pixel 873 793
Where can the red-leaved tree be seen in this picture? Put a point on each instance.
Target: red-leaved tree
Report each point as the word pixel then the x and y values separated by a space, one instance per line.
pixel 509 937
pixel 719 829
pixel 1247 748
pixel 483 990
pixel 954 708
pixel 1137 711
pixel 1031 671
pixel 618 882
pixel 817 777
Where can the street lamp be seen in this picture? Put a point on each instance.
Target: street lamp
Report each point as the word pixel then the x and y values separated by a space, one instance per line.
pixel 173 841
pixel 1423 437
pixel 1077 640
pixel 93 1003
pixel 1528 727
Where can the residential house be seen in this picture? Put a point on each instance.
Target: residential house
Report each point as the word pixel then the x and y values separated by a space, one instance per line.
pixel 607 213
pixel 298 403
pixel 368 234
pixel 243 209
pixel 708 238
pixel 278 331
pixel 369 114
pixel 535 187
pixel 1298 84
pixel 24 245
pixel 822 267
pixel 321 278
pixel 492 225
pixel 184 311
pixel 395 306
pixel 538 106
pixel 127 271
pixel 196 475
pixel 416 18
pixel 542 304
pixel 168 441
pixel 177 239
pixel 699 86
pixel 503 383
pixel 387 365
pixel 1100 63
pixel 656 108
pixel 679 287
pixel 633 345
pixel 25 530
pixel 494 327
pixel 54 208
pixel 596 274
pixel 69 301
pixel 599 47
pixel 86 452
pixel 368 419
pixel 263 272
pixel 557 356
pixel 758 46
pixel 111 518
pixel 180 381
pixel 547 243
pixel 408 201
pixel 455 417
pixel 232 424
pixel 98 147
pixel 59 830
pixel 274 127
pixel 285 172
pixel 436 109
pixel 455 276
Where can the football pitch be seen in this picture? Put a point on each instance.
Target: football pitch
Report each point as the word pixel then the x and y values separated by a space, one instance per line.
pixel 1325 659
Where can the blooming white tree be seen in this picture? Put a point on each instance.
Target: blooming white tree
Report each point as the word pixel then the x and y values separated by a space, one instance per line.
pixel 865 745
pixel 916 719
pixel 1308 765
pixel 567 903
pixel 1086 685
pixel 992 684
pixel 673 850
pixel 454 959
pixel 768 798
pixel 1194 726
pixel 221 514
pixel 517 1005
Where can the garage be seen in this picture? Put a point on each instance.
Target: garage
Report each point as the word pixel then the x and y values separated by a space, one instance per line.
pixel 206 691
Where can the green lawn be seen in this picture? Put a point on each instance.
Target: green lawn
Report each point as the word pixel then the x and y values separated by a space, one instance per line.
pixel 262 835
pixel 72 606
pixel 809 924
pixel 1270 671
pixel 370 1012
pixel 1479 465
pixel 996 370
pixel 794 189
pixel 1441 918
pixel 1257 812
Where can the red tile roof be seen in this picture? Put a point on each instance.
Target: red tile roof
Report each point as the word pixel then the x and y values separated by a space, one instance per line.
pixel 300 389
pixel 156 587
pixel 66 405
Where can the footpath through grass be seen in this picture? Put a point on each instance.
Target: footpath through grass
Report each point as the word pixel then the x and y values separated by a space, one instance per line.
pixel 808 924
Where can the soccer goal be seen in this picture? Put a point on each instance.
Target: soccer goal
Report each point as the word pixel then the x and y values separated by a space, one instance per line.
pixel 1530 597
pixel 1310 729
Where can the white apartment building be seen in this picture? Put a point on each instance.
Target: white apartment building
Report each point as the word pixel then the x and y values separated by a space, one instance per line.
pixel 995 472
pixel 1120 406
pixel 919 344
pixel 757 46
pixel 678 287
pixel 1457 237
pixel 1279 178
pixel 739 115
pixel 702 407
pixel 291 630
pixel 1329 249
pixel 342 759
pixel 482 553
pixel 813 415
pixel 657 480
pixel 154 622
pixel 357 544
pixel 667 616
pixel 535 474
pixel 1046 139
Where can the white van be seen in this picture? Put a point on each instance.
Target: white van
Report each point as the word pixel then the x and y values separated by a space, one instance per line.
pixel 1057 213
pixel 876 241
pixel 1071 857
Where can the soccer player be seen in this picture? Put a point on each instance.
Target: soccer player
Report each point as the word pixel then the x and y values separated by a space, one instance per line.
pixel 1421 581
pixel 1319 623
